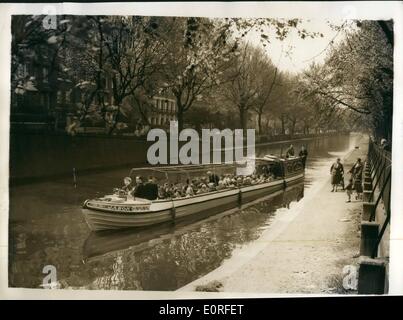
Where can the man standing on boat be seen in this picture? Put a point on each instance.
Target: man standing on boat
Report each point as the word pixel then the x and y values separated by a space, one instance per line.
pixel 303 154
pixel 290 151
pixel 213 178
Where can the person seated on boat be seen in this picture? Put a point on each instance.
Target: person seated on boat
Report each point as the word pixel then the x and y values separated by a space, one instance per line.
pixel 255 179
pixel 239 181
pixel 226 180
pixel 270 178
pixel 139 189
pixel 290 151
pixel 247 181
pixel 161 193
pixel 212 178
pixel 127 185
pixel 203 189
pixel 177 193
pixel 266 170
pixel 151 189
pixel 276 171
pixel 166 190
pixel 189 191
pixel 221 185
pixel 211 187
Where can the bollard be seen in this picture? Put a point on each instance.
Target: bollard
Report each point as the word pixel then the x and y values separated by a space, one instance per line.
pixel 367 209
pixel 371 276
pixel 368 186
pixel 366 196
pixel 369 236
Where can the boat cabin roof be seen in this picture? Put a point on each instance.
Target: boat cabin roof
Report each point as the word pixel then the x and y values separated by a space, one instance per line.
pixel 215 168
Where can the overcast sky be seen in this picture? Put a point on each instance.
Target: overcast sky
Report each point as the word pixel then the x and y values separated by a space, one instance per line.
pixel 304 51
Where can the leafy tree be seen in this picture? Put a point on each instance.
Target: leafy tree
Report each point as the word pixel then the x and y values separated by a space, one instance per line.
pixel 358 75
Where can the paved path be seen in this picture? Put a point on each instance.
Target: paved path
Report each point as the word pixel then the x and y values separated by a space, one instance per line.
pixel 305 248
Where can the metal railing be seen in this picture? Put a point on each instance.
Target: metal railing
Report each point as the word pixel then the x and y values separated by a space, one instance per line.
pixel 380 169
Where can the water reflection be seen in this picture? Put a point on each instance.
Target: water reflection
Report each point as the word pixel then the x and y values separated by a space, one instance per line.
pixel 47 228
pixel 177 255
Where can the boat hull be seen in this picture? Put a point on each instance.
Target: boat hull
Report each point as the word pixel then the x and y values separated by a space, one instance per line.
pixel 161 211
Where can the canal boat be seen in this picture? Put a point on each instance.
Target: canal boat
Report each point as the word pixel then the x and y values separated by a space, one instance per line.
pixel 117 212
pixel 100 243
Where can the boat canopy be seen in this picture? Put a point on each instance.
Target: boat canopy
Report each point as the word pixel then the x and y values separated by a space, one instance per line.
pixel 180 173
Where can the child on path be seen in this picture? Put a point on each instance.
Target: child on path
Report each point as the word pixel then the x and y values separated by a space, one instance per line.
pixel 349 189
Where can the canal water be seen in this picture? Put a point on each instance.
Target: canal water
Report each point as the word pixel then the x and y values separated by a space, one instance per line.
pixel 47 228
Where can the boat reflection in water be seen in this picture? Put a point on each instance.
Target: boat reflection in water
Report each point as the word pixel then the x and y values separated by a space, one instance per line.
pixel 168 256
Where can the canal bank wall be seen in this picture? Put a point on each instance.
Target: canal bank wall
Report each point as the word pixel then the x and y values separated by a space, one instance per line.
pixel 40 156
pixel 309 248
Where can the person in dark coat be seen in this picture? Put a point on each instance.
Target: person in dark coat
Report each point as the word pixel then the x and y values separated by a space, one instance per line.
pixel 139 190
pixel 303 154
pixel 213 178
pixel 356 174
pixel 337 172
pixel 151 189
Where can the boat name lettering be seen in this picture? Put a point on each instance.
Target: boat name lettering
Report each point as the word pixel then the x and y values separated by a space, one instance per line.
pixel 120 208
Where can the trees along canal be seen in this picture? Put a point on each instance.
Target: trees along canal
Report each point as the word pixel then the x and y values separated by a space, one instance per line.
pixel 120 63
pixel 356 79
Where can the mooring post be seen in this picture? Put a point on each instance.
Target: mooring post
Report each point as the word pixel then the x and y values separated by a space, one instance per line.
pixel 369 236
pixel 371 276
pixel 240 198
pixel 366 196
pixel 367 209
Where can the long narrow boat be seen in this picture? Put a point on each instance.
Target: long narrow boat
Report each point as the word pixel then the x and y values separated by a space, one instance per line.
pixel 100 243
pixel 114 212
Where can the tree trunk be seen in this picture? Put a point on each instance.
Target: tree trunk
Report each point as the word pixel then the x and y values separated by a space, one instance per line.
pixel 259 121
pixel 293 123
pixel 242 117
pixel 180 119
pixel 180 111
pixel 282 124
pixel 116 119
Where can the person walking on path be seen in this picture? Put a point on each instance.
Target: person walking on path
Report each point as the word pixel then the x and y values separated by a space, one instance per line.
pixel 356 174
pixel 349 189
pixel 337 172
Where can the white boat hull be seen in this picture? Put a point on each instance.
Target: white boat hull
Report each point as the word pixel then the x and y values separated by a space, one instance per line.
pixel 118 216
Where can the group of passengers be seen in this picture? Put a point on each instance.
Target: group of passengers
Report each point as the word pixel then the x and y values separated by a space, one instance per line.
pixel 198 185
pixel 209 184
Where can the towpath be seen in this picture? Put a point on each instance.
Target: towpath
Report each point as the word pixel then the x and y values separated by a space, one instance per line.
pixel 305 248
